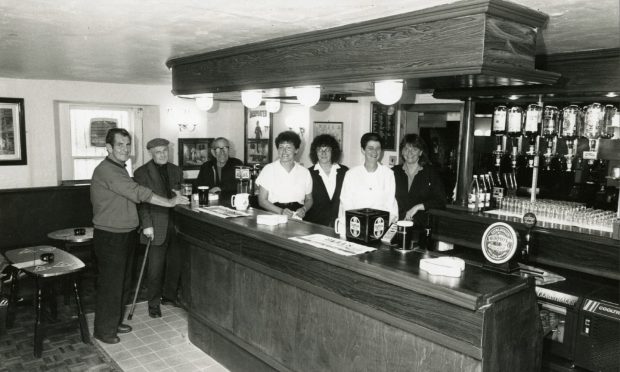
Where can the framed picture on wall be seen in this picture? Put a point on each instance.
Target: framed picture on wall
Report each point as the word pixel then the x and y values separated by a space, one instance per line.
pixel 333 128
pixel 12 132
pixel 384 121
pixel 193 152
pixel 258 136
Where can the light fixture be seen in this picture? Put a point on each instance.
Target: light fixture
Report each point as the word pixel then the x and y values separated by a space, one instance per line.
pixel 513 97
pixel 251 98
pixel 611 95
pixel 308 95
pixel 187 127
pixel 272 105
pixel 204 101
pixel 388 92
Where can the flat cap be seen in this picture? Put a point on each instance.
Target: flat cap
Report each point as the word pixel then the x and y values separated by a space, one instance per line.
pixel 157 142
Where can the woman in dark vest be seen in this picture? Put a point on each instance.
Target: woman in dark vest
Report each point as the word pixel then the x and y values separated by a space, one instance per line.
pixel 327 176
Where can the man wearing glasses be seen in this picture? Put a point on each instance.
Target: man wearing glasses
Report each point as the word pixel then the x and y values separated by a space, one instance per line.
pixel 219 172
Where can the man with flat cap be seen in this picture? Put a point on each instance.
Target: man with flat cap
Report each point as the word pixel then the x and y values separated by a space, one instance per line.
pixel 164 261
pixel 114 196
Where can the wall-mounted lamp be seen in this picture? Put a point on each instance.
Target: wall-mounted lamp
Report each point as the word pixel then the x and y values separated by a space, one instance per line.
pixel 272 105
pixel 187 127
pixel 251 98
pixel 388 92
pixel 308 95
pixel 204 101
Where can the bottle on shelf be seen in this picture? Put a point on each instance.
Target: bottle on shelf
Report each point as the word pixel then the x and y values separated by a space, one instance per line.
pixel 569 130
pixel 531 129
pixel 550 122
pixel 489 181
pixel 570 122
pixel 473 199
pixel 485 191
pixel 533 118
pixel 550 130
pixel 514 126
pixel 611 113
pixel 500 117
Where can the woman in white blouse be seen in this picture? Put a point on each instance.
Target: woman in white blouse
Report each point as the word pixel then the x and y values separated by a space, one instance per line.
pixel 370 185
pixel 285 187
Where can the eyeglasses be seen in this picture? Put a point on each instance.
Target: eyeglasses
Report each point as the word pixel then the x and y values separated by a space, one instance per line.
pixel 324 150
pixel 220 149
pixel 286 148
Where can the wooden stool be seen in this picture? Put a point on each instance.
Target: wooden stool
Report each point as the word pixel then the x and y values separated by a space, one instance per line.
pixel 64 266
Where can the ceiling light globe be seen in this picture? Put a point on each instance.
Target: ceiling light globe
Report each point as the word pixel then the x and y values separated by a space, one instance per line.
pixel 388 92
pixel 251 98
pixel 272 105
pixel 308 95
pixel 205 101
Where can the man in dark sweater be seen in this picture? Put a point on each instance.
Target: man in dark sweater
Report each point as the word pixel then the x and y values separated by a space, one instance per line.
pixel 219 172
pixel 157 224
pixel 114 196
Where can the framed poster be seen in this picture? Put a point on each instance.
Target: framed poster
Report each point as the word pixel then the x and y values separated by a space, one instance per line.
pixel 193 152
pixel 384 121
pixel 333 128
pixel 258 136
pixel 99 128
pixel 12 132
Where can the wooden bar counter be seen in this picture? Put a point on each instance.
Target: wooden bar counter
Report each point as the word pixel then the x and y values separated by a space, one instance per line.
pixel 262 302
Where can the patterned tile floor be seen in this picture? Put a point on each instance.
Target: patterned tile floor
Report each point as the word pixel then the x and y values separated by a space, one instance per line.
pixel 158 345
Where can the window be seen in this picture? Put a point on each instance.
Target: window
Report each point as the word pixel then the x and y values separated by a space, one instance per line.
pixel 82 136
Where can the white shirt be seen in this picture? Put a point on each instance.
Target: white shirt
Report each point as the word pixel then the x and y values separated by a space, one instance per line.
pixel 328 180
pixel 363 189
pixel 284 186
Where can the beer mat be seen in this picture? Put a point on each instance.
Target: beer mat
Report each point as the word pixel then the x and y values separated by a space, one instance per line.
pixel 223 212
pixel 541 276
pixel 335 245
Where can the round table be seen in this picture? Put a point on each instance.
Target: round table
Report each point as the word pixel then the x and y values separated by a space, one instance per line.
pixel 69 236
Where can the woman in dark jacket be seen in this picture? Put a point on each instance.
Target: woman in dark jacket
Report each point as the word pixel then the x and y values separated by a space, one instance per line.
pixel 418 185
pixel 327 176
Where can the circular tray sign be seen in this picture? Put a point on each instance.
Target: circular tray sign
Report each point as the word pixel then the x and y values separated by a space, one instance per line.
pixel 499 242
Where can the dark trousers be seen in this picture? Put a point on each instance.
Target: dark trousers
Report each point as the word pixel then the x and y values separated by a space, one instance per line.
pixel 175 257
pixel 114 252
pixel 162 276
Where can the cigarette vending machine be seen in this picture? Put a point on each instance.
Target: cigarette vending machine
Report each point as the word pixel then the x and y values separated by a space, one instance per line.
pixel 597 341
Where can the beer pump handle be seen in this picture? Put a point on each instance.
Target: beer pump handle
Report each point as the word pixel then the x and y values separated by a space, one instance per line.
pixel 529 220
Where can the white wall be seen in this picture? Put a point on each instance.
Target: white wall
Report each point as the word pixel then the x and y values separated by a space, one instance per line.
pixel 226 119
pixel 42 132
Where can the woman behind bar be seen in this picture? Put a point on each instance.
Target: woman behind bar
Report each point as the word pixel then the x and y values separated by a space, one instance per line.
pixel 418 185
pixel 327 177
pixel 370 185
pixel 285 187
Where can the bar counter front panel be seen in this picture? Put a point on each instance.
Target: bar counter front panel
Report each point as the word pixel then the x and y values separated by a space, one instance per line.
pixel 260 301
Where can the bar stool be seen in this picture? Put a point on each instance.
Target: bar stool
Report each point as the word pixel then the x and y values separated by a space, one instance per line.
pixel 63 266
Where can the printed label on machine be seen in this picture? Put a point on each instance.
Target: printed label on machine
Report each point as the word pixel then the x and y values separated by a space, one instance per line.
pixel 602 308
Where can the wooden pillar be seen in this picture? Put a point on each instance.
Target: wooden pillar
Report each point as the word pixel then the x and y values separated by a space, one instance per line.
pixel 466 152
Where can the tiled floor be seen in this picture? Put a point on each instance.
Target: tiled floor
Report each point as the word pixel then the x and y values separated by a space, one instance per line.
pixel 157 345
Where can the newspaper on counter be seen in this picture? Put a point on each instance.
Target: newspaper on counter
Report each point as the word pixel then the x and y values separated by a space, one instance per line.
pixel 341 247
pixel 223 212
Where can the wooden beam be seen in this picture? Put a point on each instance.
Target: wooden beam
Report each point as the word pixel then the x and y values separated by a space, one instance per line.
pixel 490 37
pixel 584 74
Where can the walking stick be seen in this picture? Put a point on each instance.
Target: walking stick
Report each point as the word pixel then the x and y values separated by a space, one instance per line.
pixel 135 296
